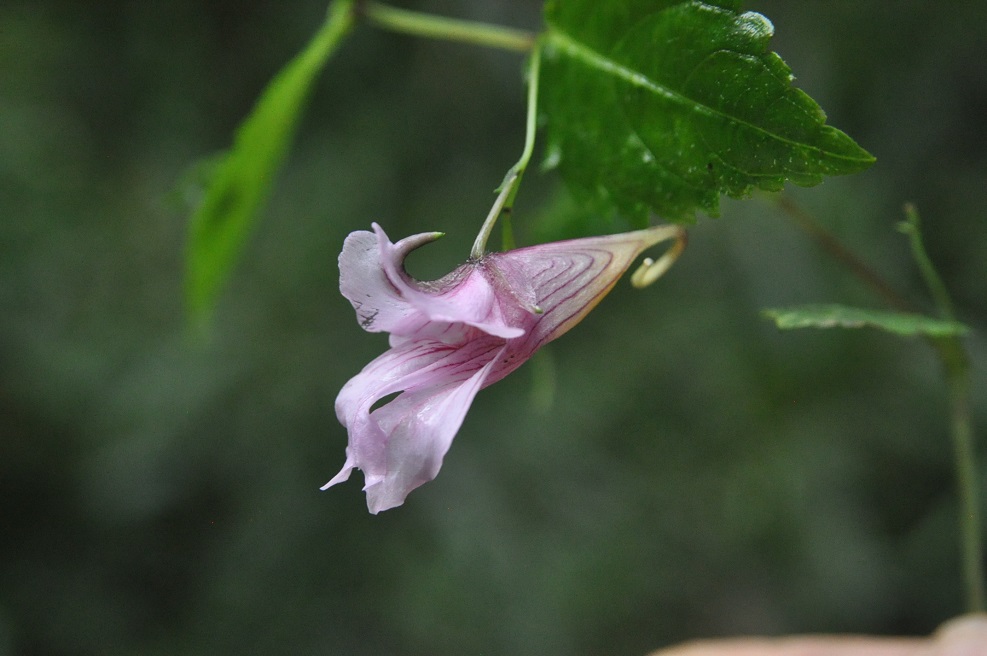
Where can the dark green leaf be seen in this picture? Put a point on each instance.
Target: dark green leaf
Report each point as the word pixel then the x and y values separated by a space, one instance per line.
pixel 242 178
pixel 661 106
pixel 839 316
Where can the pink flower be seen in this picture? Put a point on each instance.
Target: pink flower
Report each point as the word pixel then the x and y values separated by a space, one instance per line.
pixel 454 336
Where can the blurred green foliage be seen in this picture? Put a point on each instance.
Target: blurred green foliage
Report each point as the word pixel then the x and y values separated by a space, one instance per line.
pixel 698 473
pixel 240 180
pixel 841 316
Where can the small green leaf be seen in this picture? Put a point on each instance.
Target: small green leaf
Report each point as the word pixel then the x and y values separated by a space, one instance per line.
pixel 241 179
pixel 663 105
pixel 840 316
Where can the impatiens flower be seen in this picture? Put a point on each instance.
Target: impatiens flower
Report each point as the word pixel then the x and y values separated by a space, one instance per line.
pixel 454 336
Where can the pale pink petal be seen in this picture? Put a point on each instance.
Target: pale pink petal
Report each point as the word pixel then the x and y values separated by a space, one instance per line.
pixel 466 297
pixel 422 426
pixel 367 278
pixel 387 299
pixel 568 278
pixel 400 445
pixel 452 337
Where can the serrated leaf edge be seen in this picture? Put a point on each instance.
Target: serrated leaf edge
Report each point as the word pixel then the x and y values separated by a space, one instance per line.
pixel 580 52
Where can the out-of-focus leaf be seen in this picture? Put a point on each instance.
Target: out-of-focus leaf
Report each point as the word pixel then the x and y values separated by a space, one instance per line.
pixel 242 178
pixel 663 105
pixel 840 316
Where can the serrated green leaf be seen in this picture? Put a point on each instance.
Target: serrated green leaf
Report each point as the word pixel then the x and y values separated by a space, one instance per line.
pixel 664 105
pixel 241 179
pixel 840 316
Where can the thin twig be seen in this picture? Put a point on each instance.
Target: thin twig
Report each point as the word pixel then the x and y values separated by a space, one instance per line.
pixel 832 245
pixel 447 29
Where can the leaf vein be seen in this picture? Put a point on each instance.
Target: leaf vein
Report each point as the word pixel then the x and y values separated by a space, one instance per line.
pixel 595 59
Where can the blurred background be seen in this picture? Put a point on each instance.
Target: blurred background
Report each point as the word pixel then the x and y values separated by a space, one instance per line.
pixel 675 467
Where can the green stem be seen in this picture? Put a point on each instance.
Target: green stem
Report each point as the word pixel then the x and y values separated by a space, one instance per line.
pixel 512 181
pixel 911 227
pixel 957 371
pixel 480 244
pixel 832 245
pixel 956 368
pixel 530 125
pixel 448 29
pixel 483 34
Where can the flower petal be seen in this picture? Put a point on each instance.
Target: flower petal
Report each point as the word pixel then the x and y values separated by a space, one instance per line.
pixel 469 299
pixel 452 337
pixel 401 444
pixel 369 278
pixel 387 299
pixel 568 278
